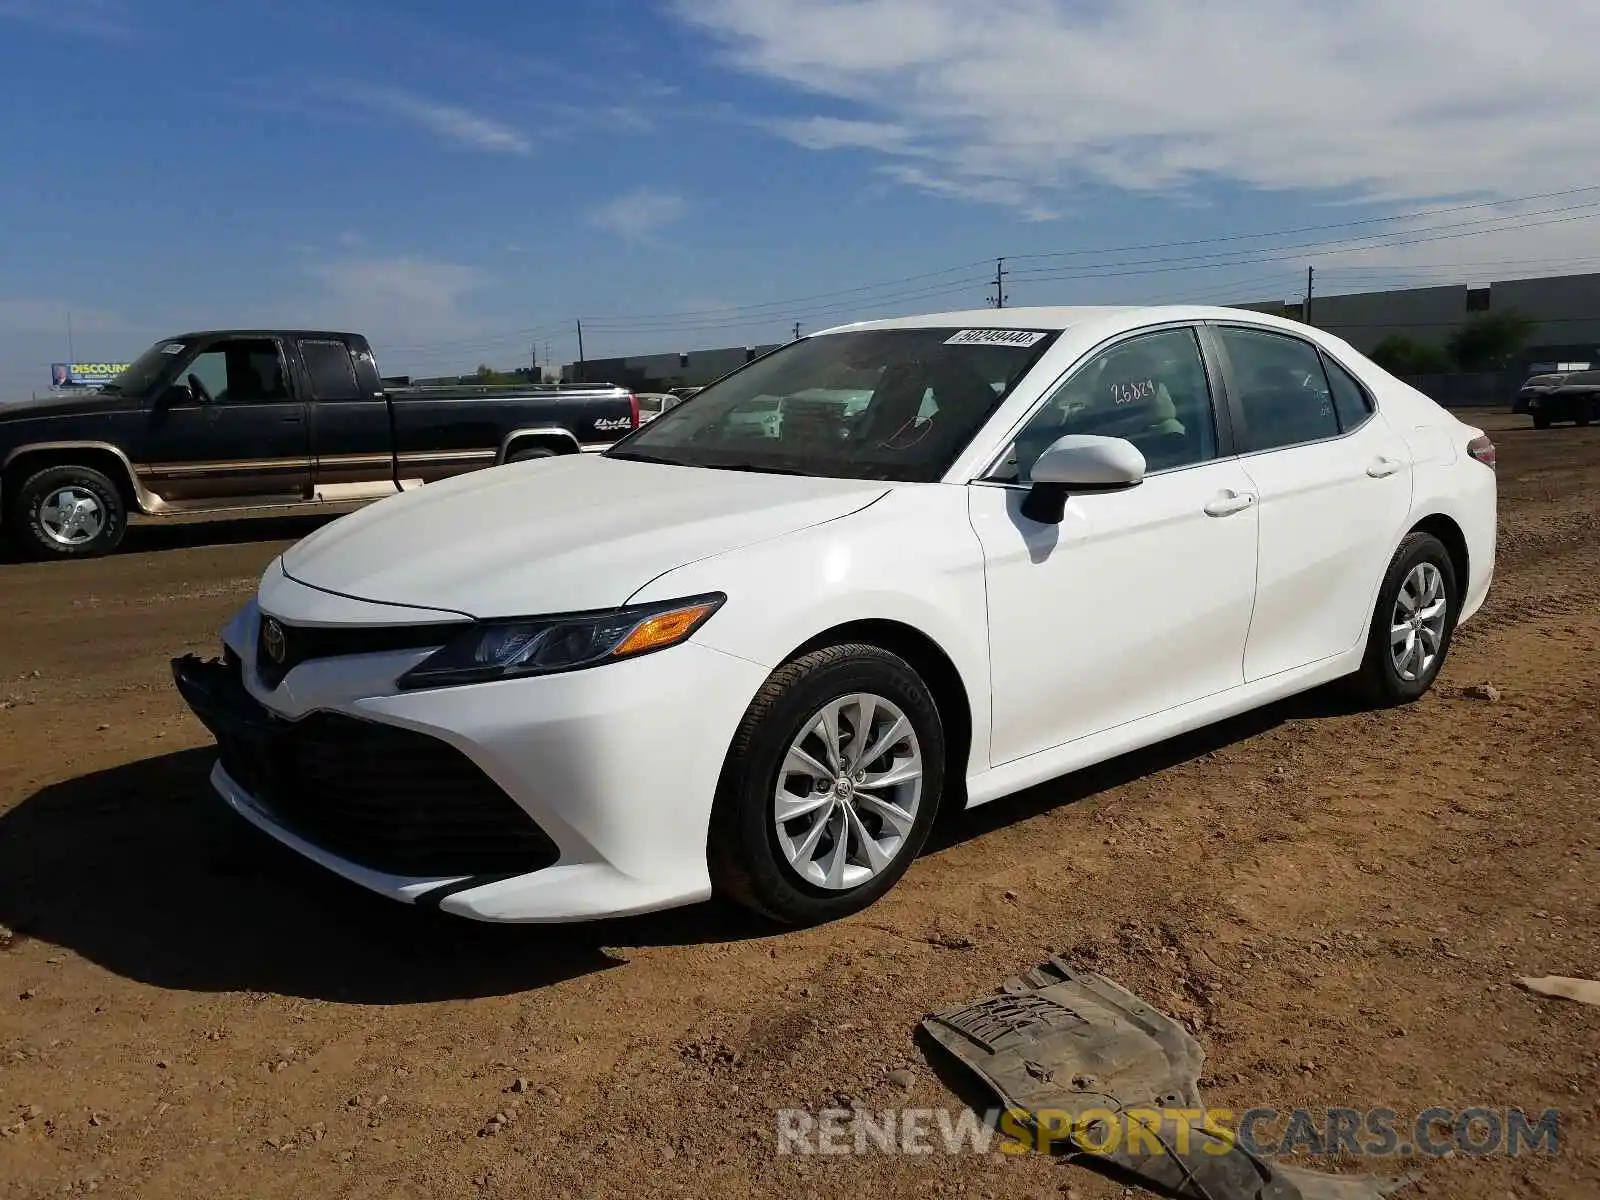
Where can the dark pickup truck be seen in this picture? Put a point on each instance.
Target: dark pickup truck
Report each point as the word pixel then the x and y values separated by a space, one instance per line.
pixel 1574 397
pixel 235 419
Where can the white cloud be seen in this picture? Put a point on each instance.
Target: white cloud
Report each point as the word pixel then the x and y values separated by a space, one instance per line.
pixel 1022 101
pixel 448 122
pixel 832 133
pixel 412 295
pixel 641 214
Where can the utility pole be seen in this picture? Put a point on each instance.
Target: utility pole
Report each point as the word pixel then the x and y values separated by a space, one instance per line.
pixel 1305 311
pixel 797 331
pixel 582 373
pixel 998 300
pixel 71 357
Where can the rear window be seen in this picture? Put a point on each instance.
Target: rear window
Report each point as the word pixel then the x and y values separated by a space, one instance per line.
pixel 333 375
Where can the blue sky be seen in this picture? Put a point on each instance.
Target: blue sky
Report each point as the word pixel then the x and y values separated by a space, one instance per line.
pixel 462 181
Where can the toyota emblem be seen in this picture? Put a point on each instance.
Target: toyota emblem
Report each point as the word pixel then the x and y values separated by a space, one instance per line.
pixel 274 641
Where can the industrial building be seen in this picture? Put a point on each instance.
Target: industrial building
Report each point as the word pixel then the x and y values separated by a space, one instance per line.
pixel 657 372
pixel 1564 309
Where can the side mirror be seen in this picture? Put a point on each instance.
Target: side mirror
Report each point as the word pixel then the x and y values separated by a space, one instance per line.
pixel 1080 462
pixel 176 396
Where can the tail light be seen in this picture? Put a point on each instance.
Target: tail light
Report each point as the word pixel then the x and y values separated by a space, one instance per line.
pixel 633 411
pixel 1482 449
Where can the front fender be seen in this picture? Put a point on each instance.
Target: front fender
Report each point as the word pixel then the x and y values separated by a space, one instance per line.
pixel 912 559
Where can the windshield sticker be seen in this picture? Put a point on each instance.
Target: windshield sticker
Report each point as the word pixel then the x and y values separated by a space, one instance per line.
pixel 996 337
pixel 172 348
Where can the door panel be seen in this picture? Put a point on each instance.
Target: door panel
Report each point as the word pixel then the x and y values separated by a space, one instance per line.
pixel 1331 513
pixel 1335 487
pixel 351 442
pixel 240 434
pixel 1139 601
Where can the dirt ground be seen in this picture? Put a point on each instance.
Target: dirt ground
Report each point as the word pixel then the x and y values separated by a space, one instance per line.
pixel 1339 902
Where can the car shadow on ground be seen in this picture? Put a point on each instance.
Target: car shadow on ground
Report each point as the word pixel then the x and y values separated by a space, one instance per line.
pixel 155 536
pixel 160 536
pixel 957 826
pixel 142 870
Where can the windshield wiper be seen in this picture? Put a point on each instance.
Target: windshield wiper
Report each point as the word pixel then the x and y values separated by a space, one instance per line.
pixel 636 456
pixel 755 468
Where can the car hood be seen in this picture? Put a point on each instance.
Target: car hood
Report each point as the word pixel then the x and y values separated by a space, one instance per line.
pixel 555 535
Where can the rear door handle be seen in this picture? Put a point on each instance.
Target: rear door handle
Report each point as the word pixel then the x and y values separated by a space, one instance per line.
pixel 1384 467
pixel 1228 503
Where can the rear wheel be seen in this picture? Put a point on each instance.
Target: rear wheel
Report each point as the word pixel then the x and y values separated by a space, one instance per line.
pixel 830 788
pixel 1584 417
pixel 68 512
pixel 531 453
pixel 1412 624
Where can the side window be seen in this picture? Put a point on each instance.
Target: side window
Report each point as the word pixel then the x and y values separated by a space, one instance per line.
pixel 1150 389
pixel 1282 391
pixel 240 371
pixel 333 375
pixel 1351 403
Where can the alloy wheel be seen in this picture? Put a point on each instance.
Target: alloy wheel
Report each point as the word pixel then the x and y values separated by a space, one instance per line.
pixel 848 792
pixel 1417 625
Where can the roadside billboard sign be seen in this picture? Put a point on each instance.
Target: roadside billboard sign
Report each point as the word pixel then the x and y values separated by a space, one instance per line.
pixel 84 374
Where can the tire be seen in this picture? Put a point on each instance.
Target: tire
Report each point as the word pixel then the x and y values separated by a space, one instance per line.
pixel 1540 421
pixel 97 530
pixel 1583 419
pixel 748 860
pixel 1380 681
pixel 531 453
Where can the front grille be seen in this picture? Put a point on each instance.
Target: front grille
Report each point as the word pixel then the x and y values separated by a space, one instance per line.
pixel 302 643
pixel 388 799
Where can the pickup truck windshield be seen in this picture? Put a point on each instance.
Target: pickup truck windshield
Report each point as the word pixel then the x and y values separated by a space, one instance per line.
pixel 143 372
pixel 892 404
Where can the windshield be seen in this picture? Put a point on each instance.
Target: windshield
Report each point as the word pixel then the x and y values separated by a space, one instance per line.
pixel 891 404
pixel 143 372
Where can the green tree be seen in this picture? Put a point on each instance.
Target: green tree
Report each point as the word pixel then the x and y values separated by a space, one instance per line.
pixel 1488 342
pixel 1403 355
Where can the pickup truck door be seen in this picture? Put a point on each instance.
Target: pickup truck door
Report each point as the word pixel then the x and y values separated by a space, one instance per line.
pixel 230 430
pixel 352 444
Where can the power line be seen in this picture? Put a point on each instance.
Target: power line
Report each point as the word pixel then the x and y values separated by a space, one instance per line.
pixel 1240 237
pixel 825 303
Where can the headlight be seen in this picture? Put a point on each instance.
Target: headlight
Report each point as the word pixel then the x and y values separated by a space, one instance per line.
pixel 493 650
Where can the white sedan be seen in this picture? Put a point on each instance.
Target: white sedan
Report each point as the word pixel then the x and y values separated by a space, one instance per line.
pixel 757 658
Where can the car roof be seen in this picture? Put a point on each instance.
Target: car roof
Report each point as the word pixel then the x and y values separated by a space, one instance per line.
pixel 329 334
pixel 1062 317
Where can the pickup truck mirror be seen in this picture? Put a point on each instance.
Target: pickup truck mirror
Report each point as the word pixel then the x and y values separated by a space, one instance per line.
pixel 176 395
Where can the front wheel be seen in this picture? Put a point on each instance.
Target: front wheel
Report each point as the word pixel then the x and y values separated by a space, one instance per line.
pixel 68 512
pixel 830 787
pixel 1412 624
pixel 1540 421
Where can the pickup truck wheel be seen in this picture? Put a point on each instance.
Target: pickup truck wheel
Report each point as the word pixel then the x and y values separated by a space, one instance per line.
pixel 1540 421
pixel 532 452
pixel 68 512
pixel 830 787
pixel 1583 418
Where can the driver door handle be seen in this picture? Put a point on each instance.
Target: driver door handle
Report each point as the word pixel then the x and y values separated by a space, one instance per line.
pixel 1227 503
pixel 1384 467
